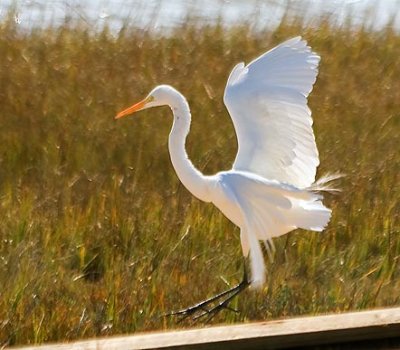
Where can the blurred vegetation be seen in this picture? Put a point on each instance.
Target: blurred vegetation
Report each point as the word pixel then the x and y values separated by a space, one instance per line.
pixel 98 236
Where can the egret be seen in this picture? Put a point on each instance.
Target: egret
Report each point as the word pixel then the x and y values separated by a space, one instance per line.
pixel 271 188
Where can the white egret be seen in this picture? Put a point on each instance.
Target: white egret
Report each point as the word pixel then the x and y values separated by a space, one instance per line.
pixel 271 188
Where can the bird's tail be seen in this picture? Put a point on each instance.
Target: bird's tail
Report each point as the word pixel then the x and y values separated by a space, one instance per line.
pixel 311 214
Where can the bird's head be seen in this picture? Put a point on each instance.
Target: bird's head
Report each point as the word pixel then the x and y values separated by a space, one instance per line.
pixel 159 96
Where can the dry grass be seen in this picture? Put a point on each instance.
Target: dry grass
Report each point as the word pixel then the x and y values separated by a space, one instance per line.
pixel 97 235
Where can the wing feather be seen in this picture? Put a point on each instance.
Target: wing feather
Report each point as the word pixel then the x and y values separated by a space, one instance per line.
pixel 267 100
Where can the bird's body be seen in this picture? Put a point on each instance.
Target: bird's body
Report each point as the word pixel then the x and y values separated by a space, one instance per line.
pixel 271 187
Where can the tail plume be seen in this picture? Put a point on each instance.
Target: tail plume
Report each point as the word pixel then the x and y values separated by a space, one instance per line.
pixel 324 183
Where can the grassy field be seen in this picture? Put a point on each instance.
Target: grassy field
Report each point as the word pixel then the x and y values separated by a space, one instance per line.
pixel 97 235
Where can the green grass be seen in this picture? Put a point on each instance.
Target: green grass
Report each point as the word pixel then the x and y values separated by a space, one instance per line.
pixel 97 235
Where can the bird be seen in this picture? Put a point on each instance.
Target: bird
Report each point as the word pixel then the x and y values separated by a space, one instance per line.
pixel 271 188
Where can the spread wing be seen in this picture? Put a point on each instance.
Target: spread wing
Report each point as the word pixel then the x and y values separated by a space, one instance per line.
pixel 267 100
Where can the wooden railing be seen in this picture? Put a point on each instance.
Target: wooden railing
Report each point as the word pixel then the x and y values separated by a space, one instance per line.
pixel 301 331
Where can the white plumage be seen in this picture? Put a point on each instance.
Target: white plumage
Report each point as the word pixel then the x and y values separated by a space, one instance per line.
pixel 271 188
pixel 267 101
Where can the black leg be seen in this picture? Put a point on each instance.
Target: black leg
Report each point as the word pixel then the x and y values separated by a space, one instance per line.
pixel 210 307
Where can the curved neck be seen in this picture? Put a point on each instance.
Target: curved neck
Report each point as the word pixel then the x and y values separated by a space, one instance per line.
pixel 191 177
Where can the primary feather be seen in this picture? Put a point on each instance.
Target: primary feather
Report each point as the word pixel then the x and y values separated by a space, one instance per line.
pixel 267 100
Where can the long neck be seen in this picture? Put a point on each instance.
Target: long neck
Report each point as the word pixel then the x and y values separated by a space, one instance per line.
pixel 191 177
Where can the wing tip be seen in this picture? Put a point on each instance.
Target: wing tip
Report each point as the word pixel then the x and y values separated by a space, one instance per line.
pixel 298 42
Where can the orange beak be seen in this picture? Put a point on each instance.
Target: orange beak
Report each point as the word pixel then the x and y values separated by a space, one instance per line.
pixel 136 107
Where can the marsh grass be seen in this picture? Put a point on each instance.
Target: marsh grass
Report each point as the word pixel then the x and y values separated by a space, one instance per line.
pixel 98 236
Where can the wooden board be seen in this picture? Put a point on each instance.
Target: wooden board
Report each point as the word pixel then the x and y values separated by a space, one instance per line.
pixel 302 331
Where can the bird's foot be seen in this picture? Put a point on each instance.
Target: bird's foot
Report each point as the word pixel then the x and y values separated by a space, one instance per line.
pixel 208 308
